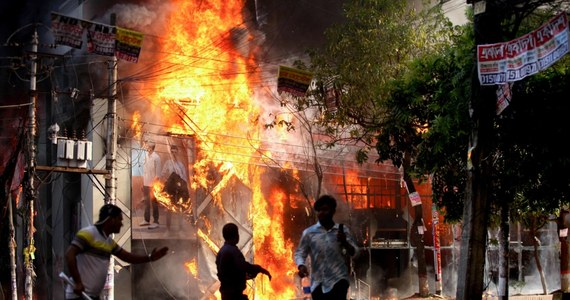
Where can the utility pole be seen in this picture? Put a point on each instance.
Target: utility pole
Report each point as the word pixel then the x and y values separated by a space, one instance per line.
pixel 29 250
pixel 476 207
pixel 111 177
pixel 12 248
pixel 417 230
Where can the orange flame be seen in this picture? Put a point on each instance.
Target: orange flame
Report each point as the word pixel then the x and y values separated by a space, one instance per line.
pixel 273 249
pixel 204 88
pixel 136 126
pixel 192 267
pixel 357 189
pixel 208 241
pixel 209 85
pixel 175 205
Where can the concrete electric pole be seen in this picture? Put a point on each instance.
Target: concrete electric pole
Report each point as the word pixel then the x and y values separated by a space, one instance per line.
pixel 476 207
pixel 29 250
pixel 111 177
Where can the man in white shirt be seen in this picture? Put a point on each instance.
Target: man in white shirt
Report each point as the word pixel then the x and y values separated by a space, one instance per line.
pixel 151 172
pixel 327 244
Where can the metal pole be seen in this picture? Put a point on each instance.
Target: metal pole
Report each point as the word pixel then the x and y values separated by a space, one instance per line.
pixel 31 195
pixel 12 249
pixel 436 250
pixel 111 178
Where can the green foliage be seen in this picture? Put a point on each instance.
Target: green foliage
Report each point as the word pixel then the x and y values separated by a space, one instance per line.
pixel 529 142
pixel 364 53
pixel 400 82
pixel 428 118
pixel 529 163
pixel 397 86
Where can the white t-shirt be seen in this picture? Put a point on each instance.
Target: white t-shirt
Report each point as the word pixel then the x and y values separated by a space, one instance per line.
pixel 93 260
pixel 151 168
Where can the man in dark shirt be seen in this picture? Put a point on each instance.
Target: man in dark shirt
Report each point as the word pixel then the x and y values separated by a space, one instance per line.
pixel 233 270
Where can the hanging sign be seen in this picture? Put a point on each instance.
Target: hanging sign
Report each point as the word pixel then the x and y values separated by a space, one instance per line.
pixel 415 198
pixel 67 31
pixel 293 81
pixel 527 55
pixel 129 44
pixel 101 39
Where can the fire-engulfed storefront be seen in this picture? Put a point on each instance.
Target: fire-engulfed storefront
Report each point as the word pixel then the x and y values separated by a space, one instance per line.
pixel 371 200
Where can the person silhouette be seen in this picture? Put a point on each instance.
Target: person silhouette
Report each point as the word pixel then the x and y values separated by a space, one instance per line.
pixel 233 269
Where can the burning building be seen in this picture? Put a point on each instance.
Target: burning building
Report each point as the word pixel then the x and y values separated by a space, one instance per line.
pixel 204 83
pixel 209 91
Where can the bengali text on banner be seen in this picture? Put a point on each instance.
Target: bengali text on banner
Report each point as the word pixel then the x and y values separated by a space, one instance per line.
pixel 527 55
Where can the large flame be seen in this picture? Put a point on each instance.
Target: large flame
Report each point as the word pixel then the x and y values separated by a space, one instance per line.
pixel 271 247
pixel 208 80
pixel 204 87
pixel 358 191
pixel 136 125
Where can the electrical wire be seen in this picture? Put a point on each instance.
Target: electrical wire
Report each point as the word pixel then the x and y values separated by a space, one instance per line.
pixel 158 70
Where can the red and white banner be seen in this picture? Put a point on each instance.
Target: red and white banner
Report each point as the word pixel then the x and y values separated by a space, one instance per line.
pixel 67 31
pixel 504 96
pixel 415 198
pixel 101 39
pixel 527 55
pixel 436 249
